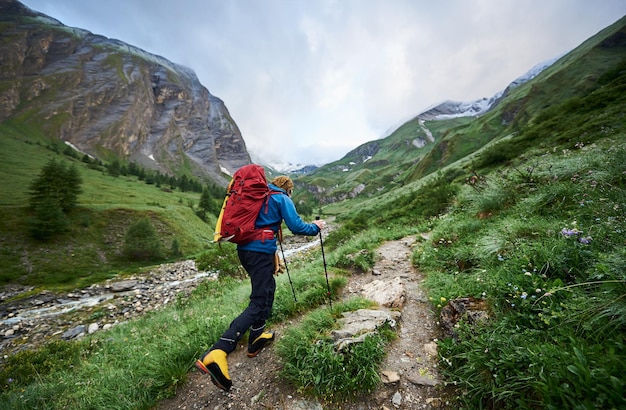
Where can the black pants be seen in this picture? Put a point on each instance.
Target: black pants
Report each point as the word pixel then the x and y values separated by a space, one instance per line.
pixel 260 268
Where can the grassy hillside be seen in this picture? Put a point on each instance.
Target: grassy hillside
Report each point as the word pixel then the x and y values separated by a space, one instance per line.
pixel 91 249
pixel 377 166
pixel 574 76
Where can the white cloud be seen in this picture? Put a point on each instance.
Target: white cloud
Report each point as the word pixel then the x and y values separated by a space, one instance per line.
pixel 309 80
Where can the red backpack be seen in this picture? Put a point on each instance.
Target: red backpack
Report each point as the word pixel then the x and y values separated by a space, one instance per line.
pixel 246 194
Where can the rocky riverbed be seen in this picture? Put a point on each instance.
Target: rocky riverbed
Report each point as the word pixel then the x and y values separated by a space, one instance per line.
pixel 31 321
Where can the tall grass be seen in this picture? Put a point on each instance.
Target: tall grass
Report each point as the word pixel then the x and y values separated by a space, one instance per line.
pixel 550 263
pixel 312 363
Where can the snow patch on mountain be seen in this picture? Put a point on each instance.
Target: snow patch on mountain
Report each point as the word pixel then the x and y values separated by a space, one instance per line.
pixel 456 109
pixel 225 171
pixel 285 166
pixel 289 168
pixel 533 72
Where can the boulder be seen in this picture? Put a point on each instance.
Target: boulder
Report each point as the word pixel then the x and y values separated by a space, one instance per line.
pixel 123 285
pixel 74 333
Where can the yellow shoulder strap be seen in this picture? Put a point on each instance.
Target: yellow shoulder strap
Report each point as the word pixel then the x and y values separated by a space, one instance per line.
pixel 217 235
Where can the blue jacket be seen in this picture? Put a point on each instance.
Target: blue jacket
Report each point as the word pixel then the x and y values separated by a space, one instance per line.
pixel 280 207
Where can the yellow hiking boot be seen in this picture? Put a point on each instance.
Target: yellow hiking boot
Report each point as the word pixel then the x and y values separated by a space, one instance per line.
pixel 214 363
pixel 259 343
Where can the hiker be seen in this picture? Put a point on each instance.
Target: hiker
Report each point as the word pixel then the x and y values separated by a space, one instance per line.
pixel 258 259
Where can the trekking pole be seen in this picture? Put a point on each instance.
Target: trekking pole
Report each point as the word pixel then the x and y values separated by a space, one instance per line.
pixel 280 241
pixel 330 301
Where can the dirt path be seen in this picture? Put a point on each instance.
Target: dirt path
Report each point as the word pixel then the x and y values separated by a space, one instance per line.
pixel 412 358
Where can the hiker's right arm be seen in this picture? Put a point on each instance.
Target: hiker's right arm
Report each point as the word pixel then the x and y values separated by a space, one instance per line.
pixel 294 222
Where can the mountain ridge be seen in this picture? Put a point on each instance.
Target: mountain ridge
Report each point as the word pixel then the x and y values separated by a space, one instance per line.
pixel 111 99
pixel 447 109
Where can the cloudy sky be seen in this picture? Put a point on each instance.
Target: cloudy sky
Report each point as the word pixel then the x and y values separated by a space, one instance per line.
pixel 306 81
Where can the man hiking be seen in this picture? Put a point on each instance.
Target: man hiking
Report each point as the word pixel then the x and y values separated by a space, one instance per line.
pixel 258 259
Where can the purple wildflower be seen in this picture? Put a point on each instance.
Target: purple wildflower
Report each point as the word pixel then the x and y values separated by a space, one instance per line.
pixel 569 232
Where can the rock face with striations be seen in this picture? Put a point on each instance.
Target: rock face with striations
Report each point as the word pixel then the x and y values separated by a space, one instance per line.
pixel 108 98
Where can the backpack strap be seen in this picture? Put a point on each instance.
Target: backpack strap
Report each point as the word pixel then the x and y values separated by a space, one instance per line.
pixel 260 231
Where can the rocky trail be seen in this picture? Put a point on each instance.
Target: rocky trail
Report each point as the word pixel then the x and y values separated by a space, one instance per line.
pixel 409 372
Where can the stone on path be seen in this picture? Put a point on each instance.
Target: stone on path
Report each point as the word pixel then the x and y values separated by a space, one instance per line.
pixel 389 377
pixel 357 325
pixel 391 294
pixel 397 399
pixel 422 380
pixel 431 349
pixel 363 321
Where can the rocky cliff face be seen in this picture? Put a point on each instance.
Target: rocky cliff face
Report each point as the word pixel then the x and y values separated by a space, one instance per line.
pixel 110 99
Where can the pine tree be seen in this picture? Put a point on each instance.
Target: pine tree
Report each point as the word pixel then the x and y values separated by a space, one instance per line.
pixel 208 204
pixel 205 200
pixel 175 250
pixel 47 187
pixel 48 220
pixel 114 168
pixel 57 184
pixel 70 187
pixel 53 194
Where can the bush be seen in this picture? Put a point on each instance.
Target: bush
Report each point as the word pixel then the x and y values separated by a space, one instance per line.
pixel 433 198
pixel 496 155
pixel 142 242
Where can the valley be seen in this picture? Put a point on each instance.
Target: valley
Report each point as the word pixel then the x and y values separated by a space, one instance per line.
pixel 513 204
